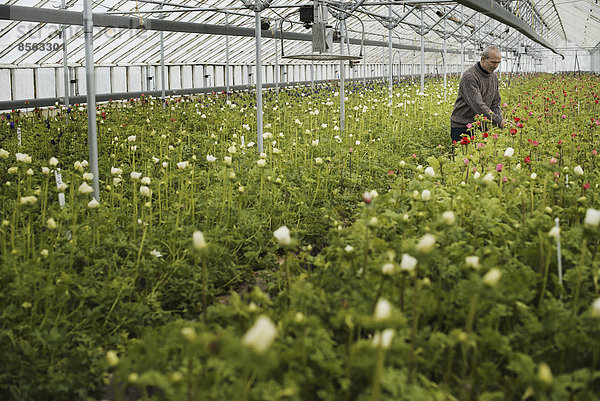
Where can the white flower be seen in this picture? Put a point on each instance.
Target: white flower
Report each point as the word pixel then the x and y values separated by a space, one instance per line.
pixel 578 170
pixel 261 335
pixel 88 176
pixel 374 194
pixel 249 144
pixel 426 195
pixel 492 277
pixel 183 165
pixel 155 159
pixel 402 163
pixel 62 187
pixel 145 191
pixel 476 175
pixel 45 170
pixel 349 249
pixel 85 188
pixel 533 176
pixel 261 162
pixel 383 339
pixel 51 224
pixel 13 170
pixel 165 164
pixel 3 154
pixel 231 150
pixel 131 138
pixel 227 160
pixel 53 161
pixel 116 171
pixel 545 374
pixel 283 236
pixel 146 181
pixel 592 218
pixel 211 158
pixel 357 142
pixel 509 152
pixel 373 221
pixel 22 157
pixel 262 155
pixel 29 171
pixel 388 269
pixel 112 358
pixel 28 200
pixel 267 135
pixel 315 142
pixel 554 232
pixel 596 308
pixel 116 181
pixel 518 166
pixel 78 166
pixel 429 172
pixel 93 204
pixel 472 261
pixel 318 160
pixel 241 190
pixel 198 240
pixel 232 175
pixel 448 217
pixel 408 263
pixel 276 151
pixel 426 243
pixel 488 178
pixel 135 175
pixel 383 310
pixel 156 253
pixel 44 253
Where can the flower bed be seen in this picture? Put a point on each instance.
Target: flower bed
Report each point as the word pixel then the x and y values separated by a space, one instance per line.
pixel 410 268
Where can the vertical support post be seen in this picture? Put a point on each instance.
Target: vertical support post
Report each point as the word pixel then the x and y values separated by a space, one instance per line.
pixel 259 105
pixel 63 6
pixel 312 75
pixel 90 79
pixel 422 52
pixel 445 55
pixel 276 68
pixel 162 67
pixel 390 72
pixel 342 76
pixel 462 41
pixel 227 58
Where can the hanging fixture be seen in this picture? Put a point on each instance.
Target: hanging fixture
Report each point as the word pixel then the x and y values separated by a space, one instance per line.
pixel 315 17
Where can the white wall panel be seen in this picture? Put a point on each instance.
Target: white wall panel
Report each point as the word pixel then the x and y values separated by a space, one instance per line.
pixel 45 82
pixel 158 77
pixel 103 80
pixel 80 77
pixel 186 77
pixel 197 73
pixel 209 75
pixel 174 77
pixel 22 83
pixel 134 78
pixel 5 89
pixel 238 75
pixel 119 79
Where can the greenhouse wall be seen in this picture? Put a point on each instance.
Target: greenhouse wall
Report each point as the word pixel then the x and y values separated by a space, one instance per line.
pixel 47 82
pixel 595 60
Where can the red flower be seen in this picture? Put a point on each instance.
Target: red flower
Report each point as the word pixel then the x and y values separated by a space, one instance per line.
pixel 586 186
pixel 485 134
pixel 513 131
pixel 465 141
pixel 527 159
pixel 390 173
pixel 517 119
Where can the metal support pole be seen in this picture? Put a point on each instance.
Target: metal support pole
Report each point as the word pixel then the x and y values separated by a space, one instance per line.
pixel 445 55
pixel 312 75
pixel 90 79
pixel 342 76
pixel 422 53
pixel 162 66
pixel 276 75
pixel 259 105
pixel 227 58
pixel 390 73
pixel 462 42
pixel 63 6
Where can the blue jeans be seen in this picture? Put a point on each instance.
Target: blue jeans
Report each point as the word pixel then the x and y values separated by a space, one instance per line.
pixel 456 133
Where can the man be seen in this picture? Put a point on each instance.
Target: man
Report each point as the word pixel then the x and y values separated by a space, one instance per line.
pixel 478 94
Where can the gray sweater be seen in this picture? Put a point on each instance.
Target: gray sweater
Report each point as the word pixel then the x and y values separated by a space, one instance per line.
pixel 477 94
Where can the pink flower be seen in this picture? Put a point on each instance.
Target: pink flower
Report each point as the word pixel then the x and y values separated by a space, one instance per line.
pixel 586 186
pixel 563 116
pixel 495 136
pixel 499 167
pixel 469 125
pixel 466 161
pixel 504 179
pixel 553 160
pixel 594 152
pixel 390 173
pixel 414 156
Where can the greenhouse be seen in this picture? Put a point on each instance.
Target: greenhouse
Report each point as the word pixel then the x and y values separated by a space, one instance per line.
pixel 299 200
